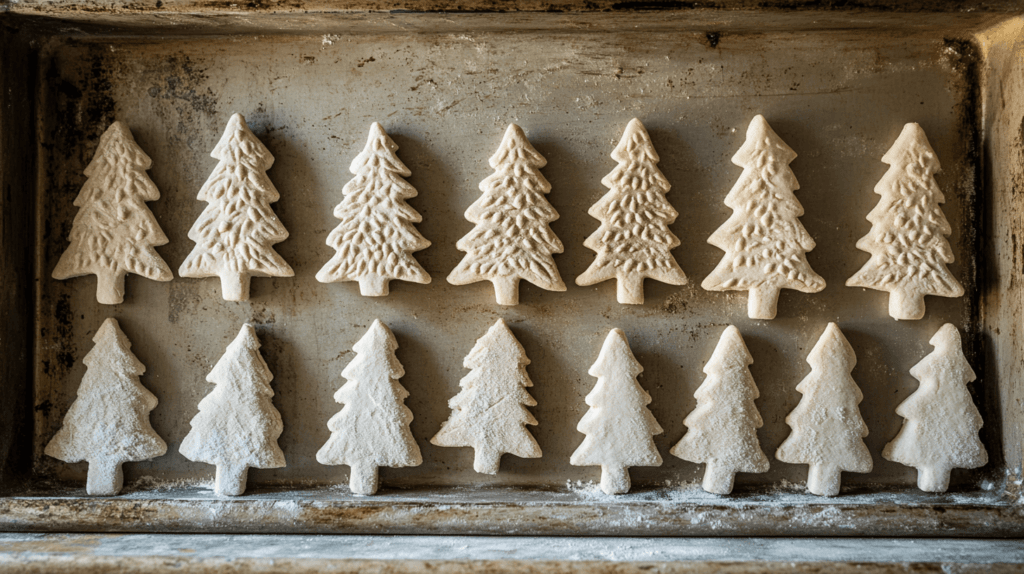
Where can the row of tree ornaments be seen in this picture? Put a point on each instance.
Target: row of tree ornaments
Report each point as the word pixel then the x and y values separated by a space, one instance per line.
pixel 237 426
pixel 114 232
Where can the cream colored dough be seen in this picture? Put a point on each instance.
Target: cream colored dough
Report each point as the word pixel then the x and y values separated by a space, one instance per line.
pixel 633 241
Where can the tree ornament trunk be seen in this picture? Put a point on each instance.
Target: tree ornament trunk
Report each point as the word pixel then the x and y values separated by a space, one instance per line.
pixel 105 478
pixel 373 286
pixel 110 287
pixel 615 479
pixel 363 478
pixel 718 479
pixel 235 287
pixel 486 461
pixel 231 480
pixel 906 306
pixel 506 290
pixel 762 302
pixel 824 480
pixel 631 289
pixel 933 479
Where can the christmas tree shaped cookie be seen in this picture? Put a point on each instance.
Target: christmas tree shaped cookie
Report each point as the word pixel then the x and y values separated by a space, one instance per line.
pixel 940 432
pixel 490 414
pixel 376 237
pixel 633 241
pixel 512 239
pixel 907 240
pixel 828 431
pixel 619 426
pixel 235 233
pixel 723 428
pixel 114 233
pixel 372 430
pixel 108 424
pixel 237 425
pixel 764 242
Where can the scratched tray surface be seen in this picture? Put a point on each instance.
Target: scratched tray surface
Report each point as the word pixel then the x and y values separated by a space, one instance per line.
pixel 446 99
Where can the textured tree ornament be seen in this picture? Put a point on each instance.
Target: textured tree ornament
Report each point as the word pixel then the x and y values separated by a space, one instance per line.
pixel 764 242
pixel 940 432
pixel 723 428
pixel 108 424
pixel 619 426
pixel 235 233
pixel 372 430
pixel 490 414
pixel 828 431
pixel 512 239
pixel 114 233
pixel 376 237
pixel 633 241
pixel 237 425
pixel 907 240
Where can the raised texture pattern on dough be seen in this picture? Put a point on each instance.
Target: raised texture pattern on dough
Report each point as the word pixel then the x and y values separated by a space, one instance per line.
pixel 619 426
pixel 907 240
pixel 235 233
pixel 490 413
pixel 376 236
pixel 108 424
pixel 372 430
pixel 512 239
pixel 237 426
pixel 764 242
pixel 828 431
pixel 633 241
pixel 940 432
pixel 114 233
pixel 723 428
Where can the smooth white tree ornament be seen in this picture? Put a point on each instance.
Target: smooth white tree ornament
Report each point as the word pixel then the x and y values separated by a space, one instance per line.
pixel 940 432
pixel 376 237
pixel 512 239
pixel 764 242
pixel 108 424
pixel 114 233
pixel 907 240
pixel 237 426
pixel 490 414
pixel 633 241
pixel 723 428
pixel 619 426
pixel 372 430
pixel 235 233
pixel 828 431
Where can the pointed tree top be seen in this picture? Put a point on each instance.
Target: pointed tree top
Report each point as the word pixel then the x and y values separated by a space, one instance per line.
pixel 377 335
pixel 730 348
pixel 515 139
pixel 110 329
pixel 635 136
pixel 118 132
pixel 246 339
pixel 498 341
pixel 238 131
pixel 615 352
pixel 912 142
pixel 760 135
pixel 110 335
pixel 377 140
pixel 832 343
pixel 946 337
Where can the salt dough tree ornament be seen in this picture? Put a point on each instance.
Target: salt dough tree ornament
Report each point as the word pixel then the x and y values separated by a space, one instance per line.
pixel 764 242
pixel 114 233
pixel 108 424
pixel 723 428
pixel 235 233
pixel 372 430
pixel 619 426
pixel 633 241
pixel 376 237
pixel 907 240
pixel 237 426
pixel 940 432
pixel 490 414
pixel 828 431
pixel 512 239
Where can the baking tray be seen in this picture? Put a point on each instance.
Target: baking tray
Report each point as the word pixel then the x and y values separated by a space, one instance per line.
pixel 836 85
